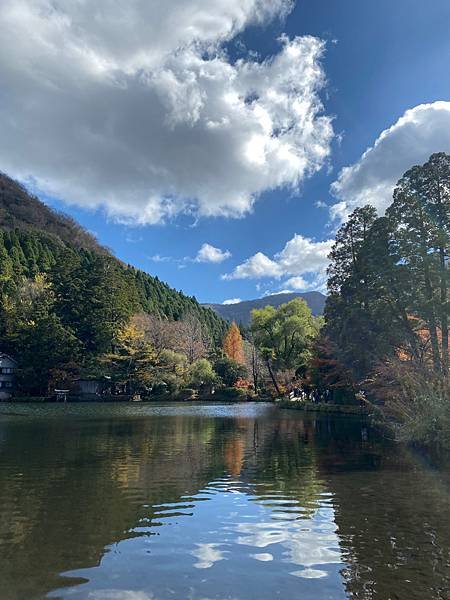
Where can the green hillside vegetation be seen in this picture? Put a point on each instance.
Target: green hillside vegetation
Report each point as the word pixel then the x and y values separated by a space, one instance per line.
pixel 65 299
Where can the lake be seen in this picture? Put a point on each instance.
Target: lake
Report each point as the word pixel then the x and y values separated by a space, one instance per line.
pixel 203 502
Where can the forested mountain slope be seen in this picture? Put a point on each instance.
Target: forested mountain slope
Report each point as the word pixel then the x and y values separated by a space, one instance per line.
pixel 92 289
pixel 20 210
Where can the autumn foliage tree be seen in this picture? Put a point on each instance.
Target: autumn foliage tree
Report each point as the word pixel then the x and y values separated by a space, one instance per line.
pixel 233 345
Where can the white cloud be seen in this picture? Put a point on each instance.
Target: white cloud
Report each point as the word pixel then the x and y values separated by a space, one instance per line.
pixel 207 555
pixel 419 133
pixel 159 259
pixel 298 284
pixel 300 256
pixel 136 107
pixel 262 556
pixel 255 267
pixel 277 292
pixel 210 254
pixel 231 301
pixel 303 255
pixel 119 594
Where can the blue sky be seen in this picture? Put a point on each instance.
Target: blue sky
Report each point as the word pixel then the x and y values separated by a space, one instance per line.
pixel 381 59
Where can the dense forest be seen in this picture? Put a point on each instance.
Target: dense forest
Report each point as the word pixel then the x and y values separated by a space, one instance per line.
pixel 386 330
pixel 65 299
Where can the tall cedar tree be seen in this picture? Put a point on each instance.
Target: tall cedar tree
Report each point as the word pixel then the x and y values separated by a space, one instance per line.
pixel 389 276
pixel 420 217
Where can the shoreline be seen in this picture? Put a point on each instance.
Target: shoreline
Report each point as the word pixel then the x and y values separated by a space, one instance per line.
pixel 343 409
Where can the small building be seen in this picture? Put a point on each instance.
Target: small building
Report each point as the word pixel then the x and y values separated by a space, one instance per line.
pixel 89 387
pixel 95 388
pixel 7 367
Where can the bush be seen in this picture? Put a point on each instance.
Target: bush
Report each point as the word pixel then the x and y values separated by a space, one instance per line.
pixel 159 388
pixel 230 371
pixel 416 402
pixel 231 393
pixel 186 394
pixel 201 374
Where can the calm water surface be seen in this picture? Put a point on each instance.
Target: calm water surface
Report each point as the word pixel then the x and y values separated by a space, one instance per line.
pixel 235 502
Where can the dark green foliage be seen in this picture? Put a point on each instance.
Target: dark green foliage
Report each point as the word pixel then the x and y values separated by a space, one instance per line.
pixel 20 210
pixel 90 294
pixel 231 394
pixel 362 284
pixel 420 217
pixel 230 371
pixel 43 345
pixel 389 277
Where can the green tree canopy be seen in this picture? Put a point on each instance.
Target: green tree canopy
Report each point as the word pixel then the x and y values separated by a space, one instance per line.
pixel 284 335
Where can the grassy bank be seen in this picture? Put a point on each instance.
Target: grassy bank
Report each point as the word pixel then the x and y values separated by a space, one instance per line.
pixel 343 409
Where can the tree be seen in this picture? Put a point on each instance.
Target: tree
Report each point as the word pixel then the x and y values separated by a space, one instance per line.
pixel 201 374
pixel 366 309
pixel 37 338
pixel 233 344
pixel 133 361
pixel 254 362
pixel 158 331
pixel 420 218
pixel 230 371
pixel 171 369
pixel 191 337
pixel 284 335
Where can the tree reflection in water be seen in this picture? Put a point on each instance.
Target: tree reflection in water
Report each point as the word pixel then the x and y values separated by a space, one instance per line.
pixel 214 502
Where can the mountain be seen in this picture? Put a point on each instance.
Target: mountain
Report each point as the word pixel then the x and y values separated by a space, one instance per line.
pixel 19 210
pixel 84 275
pixel 241 311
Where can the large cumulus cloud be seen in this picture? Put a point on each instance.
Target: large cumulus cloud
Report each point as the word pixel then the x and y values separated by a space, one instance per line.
pixel 420 132
pixel 136 107
pixel 302 259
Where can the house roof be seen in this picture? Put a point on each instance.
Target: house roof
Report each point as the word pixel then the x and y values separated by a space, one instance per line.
pixel 4 355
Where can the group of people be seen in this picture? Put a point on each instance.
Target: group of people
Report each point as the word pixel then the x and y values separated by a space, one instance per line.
pixel 313 395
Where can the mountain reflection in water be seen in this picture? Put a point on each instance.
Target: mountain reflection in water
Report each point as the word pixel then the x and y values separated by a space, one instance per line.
pixel 214 502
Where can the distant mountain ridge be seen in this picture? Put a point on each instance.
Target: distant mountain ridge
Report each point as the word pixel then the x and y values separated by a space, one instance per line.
pixel 241 311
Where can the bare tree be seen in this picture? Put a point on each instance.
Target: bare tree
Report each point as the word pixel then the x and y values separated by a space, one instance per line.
pixel 158 331
pixel 191 338
pixel 255 364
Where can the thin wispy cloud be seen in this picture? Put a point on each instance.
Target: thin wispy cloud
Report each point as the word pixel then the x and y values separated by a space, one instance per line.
pixel 206 254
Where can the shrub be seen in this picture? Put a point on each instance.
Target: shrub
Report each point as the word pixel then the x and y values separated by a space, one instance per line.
pixel 186 394
pixel 230 371
pixel 201 374
pixel 231 393
pixel 416 402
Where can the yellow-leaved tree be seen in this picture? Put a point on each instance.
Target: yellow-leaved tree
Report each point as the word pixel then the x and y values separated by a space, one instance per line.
pixel 233 345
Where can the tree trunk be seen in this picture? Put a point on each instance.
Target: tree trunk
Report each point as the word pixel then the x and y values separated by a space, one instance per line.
pixel 443 311
pixel 255 369
pixel 432 326
pixel 272 376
